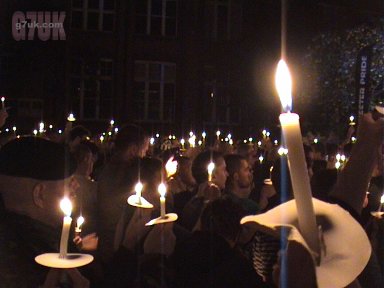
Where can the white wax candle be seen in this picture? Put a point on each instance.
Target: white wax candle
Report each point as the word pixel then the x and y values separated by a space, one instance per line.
pixel 66 206
pixel 300 179
pixel 64 236
pixel 296 160
pixel 162 190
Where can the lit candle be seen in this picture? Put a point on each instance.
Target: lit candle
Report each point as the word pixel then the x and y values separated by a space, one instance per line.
pixel 66 207
pixel 162 190
pixel 381 203
pixel 112 122
pixel 35 132
pixel 351 121
pixel 79 222
pixel 138 190
pixel 3 102
pixel 210 168
pixel 203 135
pixel 71 118
pixel 218 134
pixel 298 169
pixel 41 127
pixel 182 142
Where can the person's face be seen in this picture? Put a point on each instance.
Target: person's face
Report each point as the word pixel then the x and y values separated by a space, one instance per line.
pixel 244 175
pixel 220 173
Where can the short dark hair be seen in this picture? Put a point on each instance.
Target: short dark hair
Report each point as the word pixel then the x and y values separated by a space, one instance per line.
pixel 233 163
pixel 36 158
pixel 129 135
pixel 200 164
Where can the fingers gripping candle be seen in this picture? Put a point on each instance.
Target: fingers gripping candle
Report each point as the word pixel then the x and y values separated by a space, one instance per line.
pixel 296 159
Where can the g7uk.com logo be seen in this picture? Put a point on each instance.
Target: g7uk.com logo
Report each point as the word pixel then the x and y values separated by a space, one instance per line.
pixel 49 25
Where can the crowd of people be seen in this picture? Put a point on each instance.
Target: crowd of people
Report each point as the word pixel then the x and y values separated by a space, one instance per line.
pixel 207 246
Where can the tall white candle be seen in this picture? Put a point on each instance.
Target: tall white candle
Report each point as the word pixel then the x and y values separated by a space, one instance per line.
pixel 162 190
pixel 296 159
pixel 66 206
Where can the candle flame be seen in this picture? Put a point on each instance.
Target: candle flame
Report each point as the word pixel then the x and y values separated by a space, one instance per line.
pixel 283 84
pixel 112 122
pixel 80 221
pixel 162 189
pixel 2 99
pixel 138 187
pixel 171 167
pixel 211 167
pixel 66 206
pixel 382 199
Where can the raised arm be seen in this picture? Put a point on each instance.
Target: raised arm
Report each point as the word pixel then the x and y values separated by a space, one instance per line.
pixel 353 181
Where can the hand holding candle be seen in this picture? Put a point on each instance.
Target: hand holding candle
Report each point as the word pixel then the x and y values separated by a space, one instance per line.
pixel 66 207
pixel 162 190
pixel 296 159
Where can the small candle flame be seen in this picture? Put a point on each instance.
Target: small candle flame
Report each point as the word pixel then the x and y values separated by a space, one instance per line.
pixel 80 222
pixel 112 122
pixel 211 167
pixel 382 199
pixel 204 134
pixel 162 189
pixel 283 84
pixel 138 188
pixel 2 99
pixel 66 206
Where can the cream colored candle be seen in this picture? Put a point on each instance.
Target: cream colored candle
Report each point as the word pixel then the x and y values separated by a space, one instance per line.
pixel 162 190
pixel 66 207
pixel 296 159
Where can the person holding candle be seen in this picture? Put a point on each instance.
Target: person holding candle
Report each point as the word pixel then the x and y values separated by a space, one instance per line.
pixel 35 174
pixel 206 190
pixel 131 143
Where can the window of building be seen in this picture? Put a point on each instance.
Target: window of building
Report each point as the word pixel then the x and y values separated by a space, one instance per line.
pixel 156 17
pixel 96 15
pixel 154 91
pixel 217 17
pixel 91 89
